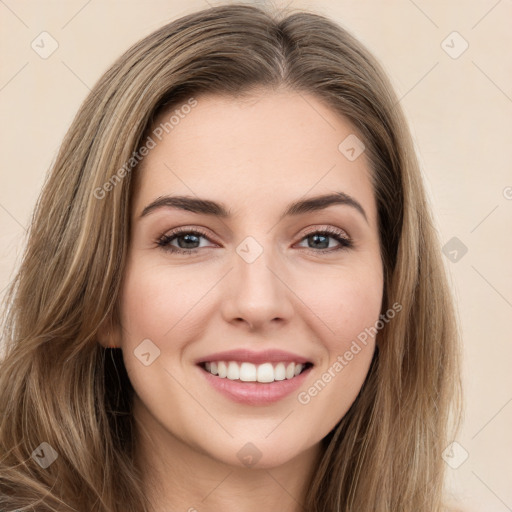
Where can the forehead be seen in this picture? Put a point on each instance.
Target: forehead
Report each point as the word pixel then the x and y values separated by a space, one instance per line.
pixel 269 147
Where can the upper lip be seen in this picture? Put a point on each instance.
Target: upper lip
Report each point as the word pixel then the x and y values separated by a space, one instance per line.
pixel 244 355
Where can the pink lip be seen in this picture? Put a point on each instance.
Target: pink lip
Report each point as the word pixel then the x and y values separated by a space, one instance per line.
pixel 266 356
pixel 255 393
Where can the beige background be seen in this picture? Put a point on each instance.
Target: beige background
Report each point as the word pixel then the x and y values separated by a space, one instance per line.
pixel 460 111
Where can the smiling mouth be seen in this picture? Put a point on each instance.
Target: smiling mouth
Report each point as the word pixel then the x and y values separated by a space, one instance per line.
pixel 249 372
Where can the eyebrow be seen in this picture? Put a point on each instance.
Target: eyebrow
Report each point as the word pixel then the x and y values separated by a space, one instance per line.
pixel 208 207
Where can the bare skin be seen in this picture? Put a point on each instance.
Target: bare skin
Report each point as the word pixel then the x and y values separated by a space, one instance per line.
pixel 256 157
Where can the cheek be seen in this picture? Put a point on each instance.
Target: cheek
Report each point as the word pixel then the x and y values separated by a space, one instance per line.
pixel 347 307
pixel 346 303
pixel 156 302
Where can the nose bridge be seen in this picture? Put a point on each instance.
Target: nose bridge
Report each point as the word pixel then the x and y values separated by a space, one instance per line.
pixel 257 293
pixel 253 263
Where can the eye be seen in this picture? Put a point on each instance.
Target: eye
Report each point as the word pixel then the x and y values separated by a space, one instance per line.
pixel 187 239
pixel 321 243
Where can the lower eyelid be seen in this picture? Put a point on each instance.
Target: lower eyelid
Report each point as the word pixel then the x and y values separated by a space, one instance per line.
pixel 344 241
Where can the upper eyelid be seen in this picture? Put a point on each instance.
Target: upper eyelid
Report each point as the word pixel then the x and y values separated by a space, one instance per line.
pixel 331 230
pixel 201 229
pixel 184 230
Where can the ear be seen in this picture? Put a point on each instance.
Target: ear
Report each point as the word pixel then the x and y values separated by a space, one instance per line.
pixel 108 335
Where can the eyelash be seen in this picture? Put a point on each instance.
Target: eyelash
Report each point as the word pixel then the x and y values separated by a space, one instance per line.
pixel 165 240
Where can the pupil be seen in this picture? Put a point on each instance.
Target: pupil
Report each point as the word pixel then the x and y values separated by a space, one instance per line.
pixel 188 241
pixel 318 240
pixel 325 239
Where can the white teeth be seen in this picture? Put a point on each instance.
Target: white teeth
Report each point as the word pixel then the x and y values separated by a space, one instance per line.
pixel 233 371
pixel 222 369
pixel 249 372
pixel 265 373
pixel 290 371
pixel 280 372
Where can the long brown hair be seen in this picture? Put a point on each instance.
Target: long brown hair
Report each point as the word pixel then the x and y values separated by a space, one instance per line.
pixel 59 386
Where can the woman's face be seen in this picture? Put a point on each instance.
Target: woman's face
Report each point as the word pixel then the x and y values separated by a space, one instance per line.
pixel 264 279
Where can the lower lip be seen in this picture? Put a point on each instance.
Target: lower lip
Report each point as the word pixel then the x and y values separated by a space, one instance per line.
pixel 255 393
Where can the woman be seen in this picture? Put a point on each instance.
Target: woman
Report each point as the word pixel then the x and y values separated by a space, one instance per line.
pixel 232 294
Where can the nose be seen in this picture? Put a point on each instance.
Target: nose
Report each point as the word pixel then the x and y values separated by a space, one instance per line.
pixel 256 293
